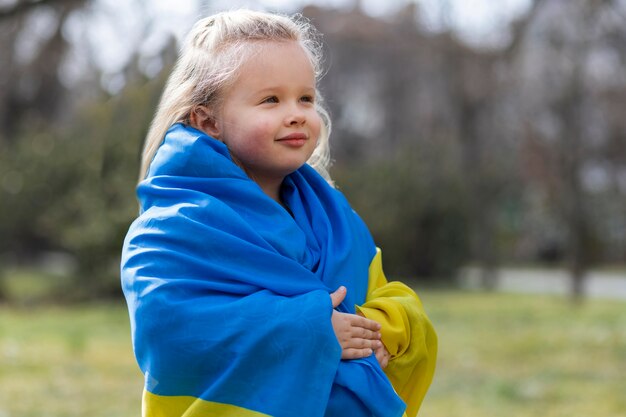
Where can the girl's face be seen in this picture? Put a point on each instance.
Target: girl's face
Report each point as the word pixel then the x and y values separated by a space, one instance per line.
pixel 268 118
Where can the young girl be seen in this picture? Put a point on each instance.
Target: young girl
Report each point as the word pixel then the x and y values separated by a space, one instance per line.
pixel 253 288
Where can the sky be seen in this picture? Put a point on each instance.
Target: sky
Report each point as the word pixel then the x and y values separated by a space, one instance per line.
pixel 475 20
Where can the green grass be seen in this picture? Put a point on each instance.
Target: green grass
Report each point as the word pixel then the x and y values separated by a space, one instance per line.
pixel 499 355
pixel 67 362
pixel 520 355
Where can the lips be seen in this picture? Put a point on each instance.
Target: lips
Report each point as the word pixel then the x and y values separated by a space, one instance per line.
pixel 293 139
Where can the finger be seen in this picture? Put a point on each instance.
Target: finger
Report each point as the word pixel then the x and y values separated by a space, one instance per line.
pixel 352 353
pixel 358 321
pixel 361 333
pixel 338 296
pixel 356 343
pixel 382 356
pixel 384 362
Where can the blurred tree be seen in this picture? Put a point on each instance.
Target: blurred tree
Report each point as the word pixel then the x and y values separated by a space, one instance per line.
pixel 419 222
pixel 393 86
pixel 68 187
pixel 398 93
pixel 451 154
pixel 560 66
pixel 72 189
pixel 33 48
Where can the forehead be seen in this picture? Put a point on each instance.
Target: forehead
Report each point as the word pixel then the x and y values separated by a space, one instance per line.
pixel 276 63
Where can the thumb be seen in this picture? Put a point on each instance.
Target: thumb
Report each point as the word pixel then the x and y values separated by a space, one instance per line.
pixel 338 296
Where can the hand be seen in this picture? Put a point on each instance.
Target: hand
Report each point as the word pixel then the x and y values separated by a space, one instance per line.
pixel 359 337
pixel 382 354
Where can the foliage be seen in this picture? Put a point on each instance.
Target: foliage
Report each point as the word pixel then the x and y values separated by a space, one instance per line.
pixel 418 218
pixel 72 189
pixel 450 153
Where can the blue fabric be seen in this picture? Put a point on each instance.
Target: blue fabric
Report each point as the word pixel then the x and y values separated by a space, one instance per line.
pixel 228 292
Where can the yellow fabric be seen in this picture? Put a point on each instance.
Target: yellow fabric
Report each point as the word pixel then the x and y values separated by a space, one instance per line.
pixel 184 406
pixel 406 332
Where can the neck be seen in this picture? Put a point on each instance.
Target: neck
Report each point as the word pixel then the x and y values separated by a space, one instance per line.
pixel 271 187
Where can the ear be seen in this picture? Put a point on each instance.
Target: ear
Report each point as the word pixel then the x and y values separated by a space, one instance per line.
pixel 202 118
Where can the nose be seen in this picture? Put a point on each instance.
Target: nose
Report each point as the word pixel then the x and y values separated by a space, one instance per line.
pixel 295 117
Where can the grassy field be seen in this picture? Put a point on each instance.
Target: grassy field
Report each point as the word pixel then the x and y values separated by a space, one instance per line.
pixel 500 355
pixel 520 355
pixel 62 362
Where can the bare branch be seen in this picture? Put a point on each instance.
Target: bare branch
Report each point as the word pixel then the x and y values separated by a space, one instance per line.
pixel 22 7
pixel 521 27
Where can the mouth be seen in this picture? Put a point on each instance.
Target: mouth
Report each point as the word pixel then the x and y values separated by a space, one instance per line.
pixel 294 139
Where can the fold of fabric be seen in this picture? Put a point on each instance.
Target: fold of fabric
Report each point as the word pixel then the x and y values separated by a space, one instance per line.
pixel 228 292
pixel 407 333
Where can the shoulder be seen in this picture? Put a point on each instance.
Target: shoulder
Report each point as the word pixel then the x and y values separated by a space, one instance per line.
pixel 186 151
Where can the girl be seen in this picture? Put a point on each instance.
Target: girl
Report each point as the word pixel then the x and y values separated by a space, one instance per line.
pixel 244 269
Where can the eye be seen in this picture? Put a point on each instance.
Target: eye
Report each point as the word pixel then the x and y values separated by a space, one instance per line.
pixel 271 99
pixel 307 99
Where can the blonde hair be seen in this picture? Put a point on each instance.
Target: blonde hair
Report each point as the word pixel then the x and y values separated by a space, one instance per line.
pixel 208 64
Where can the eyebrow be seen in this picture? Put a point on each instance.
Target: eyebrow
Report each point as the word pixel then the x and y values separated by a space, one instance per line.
pixel 271 89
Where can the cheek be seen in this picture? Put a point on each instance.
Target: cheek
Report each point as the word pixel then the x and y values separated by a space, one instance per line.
pixel 251 141
pixel 316 125
pixel 264 128
pixel 260 140
pixel 261 129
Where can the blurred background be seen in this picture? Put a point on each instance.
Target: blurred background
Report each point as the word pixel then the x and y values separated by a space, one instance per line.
pixel 483 142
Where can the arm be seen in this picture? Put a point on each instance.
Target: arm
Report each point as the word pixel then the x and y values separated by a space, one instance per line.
pixel 407 334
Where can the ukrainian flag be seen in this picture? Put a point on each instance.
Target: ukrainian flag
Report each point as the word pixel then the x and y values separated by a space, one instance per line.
pixel 228 295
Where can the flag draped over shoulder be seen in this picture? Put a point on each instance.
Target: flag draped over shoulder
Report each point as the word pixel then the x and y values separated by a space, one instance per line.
pixel 228 292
